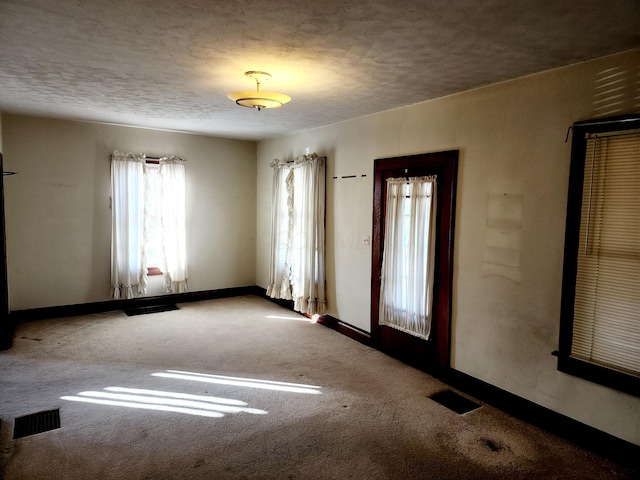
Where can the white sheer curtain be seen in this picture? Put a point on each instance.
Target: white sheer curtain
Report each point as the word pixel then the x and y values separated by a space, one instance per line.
pixel 127 225
pixel 174 222
pixel 308 239
pixel 281 229
pixel 297 266
pixel 406 287
pixel 132 194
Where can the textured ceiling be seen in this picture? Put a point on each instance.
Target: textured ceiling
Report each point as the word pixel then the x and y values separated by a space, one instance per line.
pixel 170 63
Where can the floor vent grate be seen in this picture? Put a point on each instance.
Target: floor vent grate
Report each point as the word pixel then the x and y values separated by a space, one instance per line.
pixel 454 401
pixel 36 423
pixel 152 309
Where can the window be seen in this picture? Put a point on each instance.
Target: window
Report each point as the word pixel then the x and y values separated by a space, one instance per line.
pixel 600 317
pixel 148 223
pixel 296 265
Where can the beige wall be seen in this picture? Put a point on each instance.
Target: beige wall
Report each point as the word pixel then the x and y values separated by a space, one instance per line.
pixel 507 279
pixel 59 220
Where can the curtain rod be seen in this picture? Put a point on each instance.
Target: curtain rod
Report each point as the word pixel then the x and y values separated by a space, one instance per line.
pixel 154 158
pixel 605 122
pixel 589 123
pixel 147 157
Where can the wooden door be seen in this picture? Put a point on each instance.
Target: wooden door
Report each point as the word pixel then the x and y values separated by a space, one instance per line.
pixel 431 354
pixel 6 329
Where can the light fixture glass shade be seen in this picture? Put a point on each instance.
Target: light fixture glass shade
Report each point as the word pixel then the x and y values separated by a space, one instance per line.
pixel 259 99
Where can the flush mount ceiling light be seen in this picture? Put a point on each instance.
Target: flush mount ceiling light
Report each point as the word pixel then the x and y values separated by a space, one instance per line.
pixel 259 99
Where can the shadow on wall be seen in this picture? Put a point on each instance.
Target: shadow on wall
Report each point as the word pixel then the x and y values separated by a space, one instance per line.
pixel 617 91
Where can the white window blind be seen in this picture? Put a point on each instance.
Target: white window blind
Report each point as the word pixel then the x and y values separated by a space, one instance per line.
pixel 606 325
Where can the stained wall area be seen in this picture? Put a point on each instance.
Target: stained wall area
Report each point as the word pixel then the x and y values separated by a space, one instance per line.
pixel 510 218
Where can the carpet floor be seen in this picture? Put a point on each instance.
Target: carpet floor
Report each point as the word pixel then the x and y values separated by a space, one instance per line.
pixel 241 388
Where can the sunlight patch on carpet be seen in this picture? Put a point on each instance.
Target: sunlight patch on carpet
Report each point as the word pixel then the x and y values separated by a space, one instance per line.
pixel 240 382
pixel 299 318
pixel 200 405
pixel 187 403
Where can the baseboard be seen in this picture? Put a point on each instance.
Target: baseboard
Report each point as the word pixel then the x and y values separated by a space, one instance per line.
pixel 19 316
pixel 617 450
pixel 262 292
pixel 350 331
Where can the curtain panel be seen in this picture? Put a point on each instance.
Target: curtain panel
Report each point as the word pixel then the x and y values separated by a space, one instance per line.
pixel 297 257
pixel 281 230
pixel 127 225
pixel 406 287
pixel 172 173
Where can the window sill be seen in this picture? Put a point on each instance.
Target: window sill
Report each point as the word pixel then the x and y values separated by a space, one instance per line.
pixel 153 271
pixel 615 379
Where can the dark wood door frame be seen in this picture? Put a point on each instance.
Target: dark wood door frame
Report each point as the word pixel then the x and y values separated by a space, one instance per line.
pixel 6 327
pixel 445 165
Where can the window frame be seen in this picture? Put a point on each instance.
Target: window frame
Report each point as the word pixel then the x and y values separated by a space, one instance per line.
pixel 602 375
